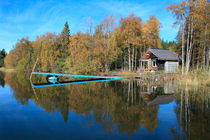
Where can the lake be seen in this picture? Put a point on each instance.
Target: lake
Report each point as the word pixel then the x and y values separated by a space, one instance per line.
pixel 124 109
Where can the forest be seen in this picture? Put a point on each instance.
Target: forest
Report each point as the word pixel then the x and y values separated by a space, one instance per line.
pixel 118 45
pixel 192 18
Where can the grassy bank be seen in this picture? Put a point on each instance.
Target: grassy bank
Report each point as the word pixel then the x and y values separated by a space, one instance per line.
pixel 194 78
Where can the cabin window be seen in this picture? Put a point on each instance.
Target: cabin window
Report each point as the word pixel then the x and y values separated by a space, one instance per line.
pixel 154 63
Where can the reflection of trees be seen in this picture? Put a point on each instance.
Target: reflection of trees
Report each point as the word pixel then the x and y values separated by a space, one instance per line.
pixel 20 85
pixel 52 99
pixel 2 83
pixel 193 113
pixel 149 118
pixel 117 104
pixel 111 103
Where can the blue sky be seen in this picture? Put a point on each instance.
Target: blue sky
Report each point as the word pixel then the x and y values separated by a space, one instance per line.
pixel 21 18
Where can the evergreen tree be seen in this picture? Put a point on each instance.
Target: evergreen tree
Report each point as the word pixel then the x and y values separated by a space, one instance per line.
pixel 64 38
pixel 2 56
pixel 171 45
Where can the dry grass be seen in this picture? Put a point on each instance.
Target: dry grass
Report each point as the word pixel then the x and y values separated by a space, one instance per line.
pixel 194 78
pixel 126 73
pixel 119 73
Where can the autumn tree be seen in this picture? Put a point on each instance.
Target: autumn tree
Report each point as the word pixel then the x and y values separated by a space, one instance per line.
pixel 21 52
pixel 49 51
pixel 130 34
pixel 150 37
pixel 179 11
pixel 202 16
pixel 105 42
pixel 192 16
pixel 109 47
pixel 82 55
pixel 153 28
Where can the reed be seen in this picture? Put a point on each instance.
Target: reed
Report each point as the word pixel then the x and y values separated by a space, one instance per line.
pixel 193 78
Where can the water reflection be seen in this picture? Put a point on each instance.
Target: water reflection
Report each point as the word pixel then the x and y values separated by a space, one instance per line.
pixel 56 83
pixel 193 112
pixel 2 83
pixel 127 106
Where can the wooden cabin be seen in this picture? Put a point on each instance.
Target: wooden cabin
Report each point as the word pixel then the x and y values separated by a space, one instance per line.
pixel 159 59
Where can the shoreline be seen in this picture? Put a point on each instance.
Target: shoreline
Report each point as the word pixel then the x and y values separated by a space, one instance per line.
pixel 198 78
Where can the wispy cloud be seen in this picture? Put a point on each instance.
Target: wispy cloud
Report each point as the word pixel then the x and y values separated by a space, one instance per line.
pixel 144 10
pixel 28 18
pixel 122 8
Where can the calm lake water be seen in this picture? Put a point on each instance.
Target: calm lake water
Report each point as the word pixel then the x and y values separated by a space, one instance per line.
pixel 126 109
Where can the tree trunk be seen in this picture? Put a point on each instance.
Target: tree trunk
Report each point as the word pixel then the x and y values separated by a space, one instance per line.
pixel 204 49
pixel 187 51
pixel 132 57
pixel 198 57
pixel 106 68
pixel 136 61
pixel 207 59
pixel 190 49
pixel 129 58
pixel 124 63
pixel 183 64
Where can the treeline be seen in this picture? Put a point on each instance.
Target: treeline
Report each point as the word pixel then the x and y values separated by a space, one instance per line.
pixel 2 56
pixel 108 47
pixel 111 47
pixel 193 18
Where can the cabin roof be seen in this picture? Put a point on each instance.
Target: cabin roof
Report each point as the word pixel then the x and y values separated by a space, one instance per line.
pixel 162 54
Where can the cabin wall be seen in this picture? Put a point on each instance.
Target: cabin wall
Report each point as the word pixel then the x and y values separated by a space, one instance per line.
pixel 171 66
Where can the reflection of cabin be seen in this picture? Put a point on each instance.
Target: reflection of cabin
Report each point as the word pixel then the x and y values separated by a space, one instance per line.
pixel 159 59
pixel 158 99
pixel 169 88
pixel 164 99
pixel 155 95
